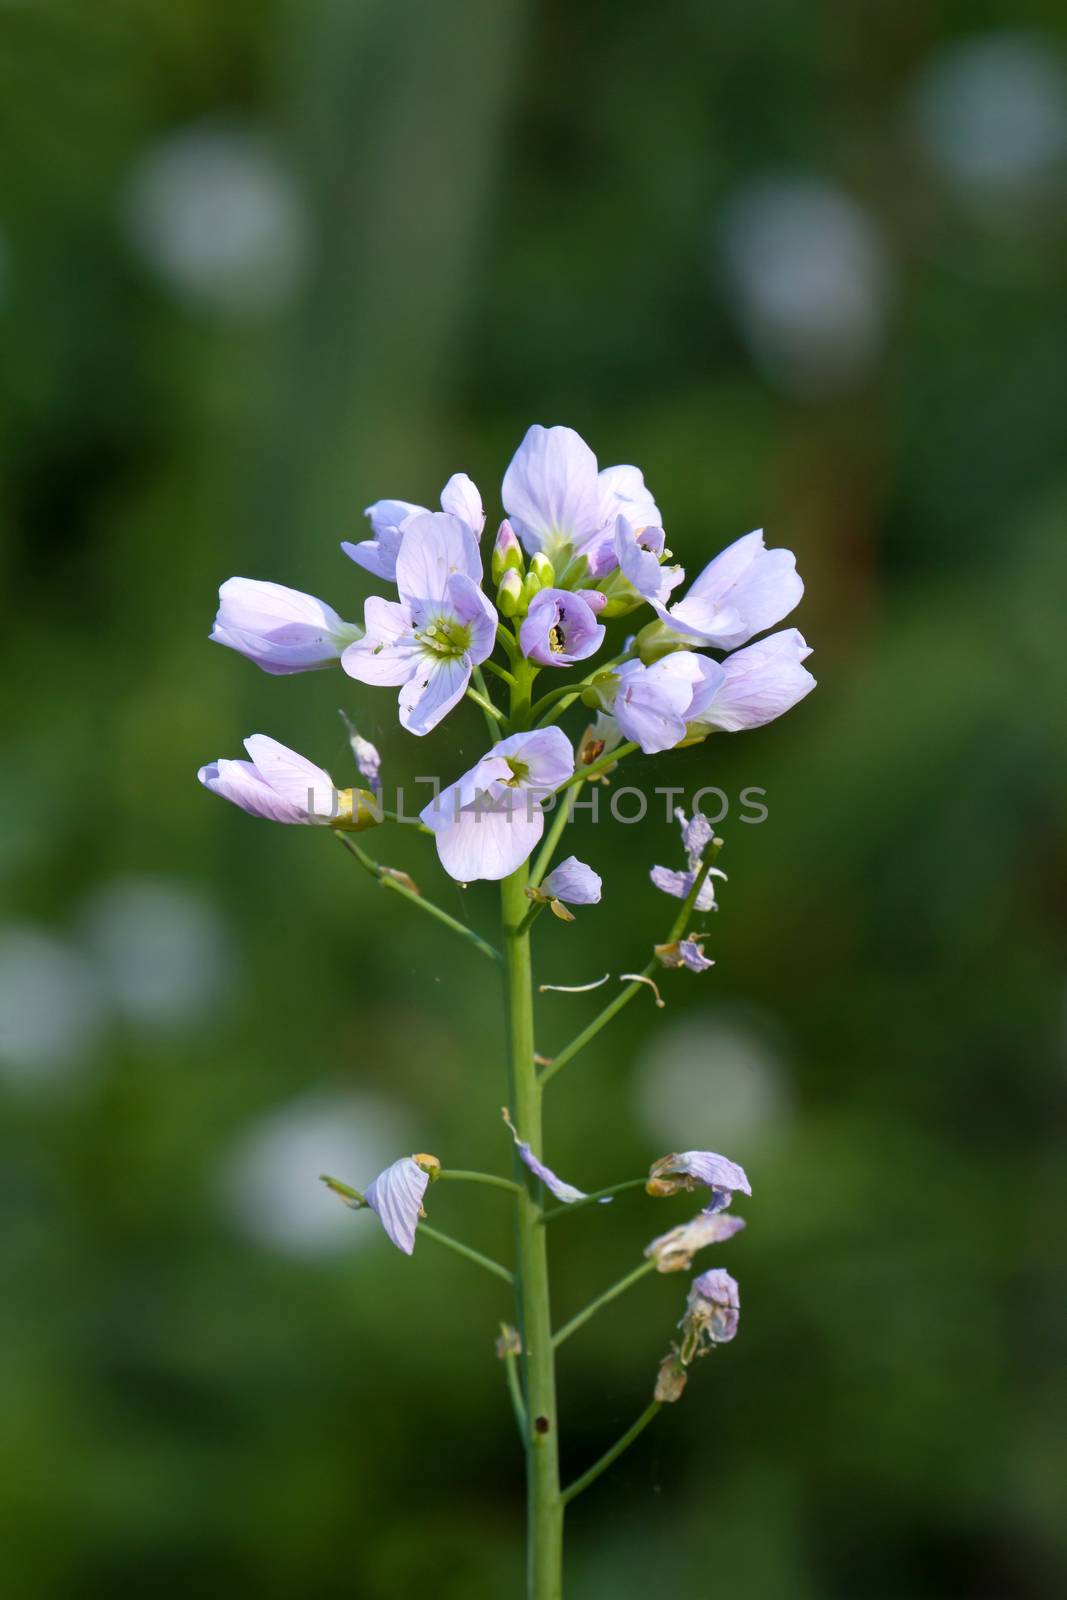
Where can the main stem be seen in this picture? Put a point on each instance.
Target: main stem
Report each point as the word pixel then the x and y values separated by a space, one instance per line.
pixel 544 1507
pixel 544 1510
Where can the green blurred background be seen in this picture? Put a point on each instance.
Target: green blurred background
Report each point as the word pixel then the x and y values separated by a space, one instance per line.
pixel 262 264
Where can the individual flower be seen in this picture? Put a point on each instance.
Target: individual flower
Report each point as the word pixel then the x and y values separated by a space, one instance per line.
pixel 574 883
pixel 746 589
pixel 638 552
pixel 557 501
pixel 652 705
pixel 282 786
pixel 396 1197
pixel 389 521
pixel 679 885
pixel 674 1250
pixel 757 685
pixel 280 629
pixel 698 1169
pixel 488 822
pixel 562 1191
pixel 712 1312
pixel 561 628
pixel 443 626
pixel 684 953
pixel 571 883
pixel 697 834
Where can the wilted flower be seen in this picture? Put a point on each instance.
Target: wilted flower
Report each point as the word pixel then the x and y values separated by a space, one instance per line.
pixel 441 628
pixel 282 786
pixel 712 1312
pixel 684 953
pixel 698 1169
pixel 280 629
pixel 562 1191
pixel 368 761
pixel 389 520
pixel 561 628
pixel 697 834
pixel 674 1250
pixel 488 822
pixel 601 738
pixel 396 1197
pixel 679 884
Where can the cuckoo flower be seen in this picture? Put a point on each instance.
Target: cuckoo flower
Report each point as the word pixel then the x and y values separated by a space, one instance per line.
pixel 684 953
pixel 678 884
pixel 429 641
pixel 561 628
pixel 697 834
pixel 712 1312
pixel 282 786
pixel 489 821
pixel 559 503
pixel 746 589
pixel 389 521
pixel 757 685
pixel 674 1250
pixel 396 1196
pixel 571 883
pixel 280 629
pixel 638 552
pixel 698 1169
pixel 652 705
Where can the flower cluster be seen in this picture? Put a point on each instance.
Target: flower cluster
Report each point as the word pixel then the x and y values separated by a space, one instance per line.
pixel 578 546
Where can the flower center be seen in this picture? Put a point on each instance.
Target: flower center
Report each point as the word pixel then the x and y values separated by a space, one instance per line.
pixel 519 771
pixel 444 636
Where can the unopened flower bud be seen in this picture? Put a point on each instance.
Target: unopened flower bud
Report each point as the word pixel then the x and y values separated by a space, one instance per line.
pixel 575 573
pixel 531 588
pixel 507 552
pixel 509 594
pixel 656 640
pixel 357 809
pixel 543 570
pixel 671 1378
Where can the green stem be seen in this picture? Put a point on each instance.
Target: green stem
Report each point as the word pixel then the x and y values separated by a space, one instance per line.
pixel 518 1404
pixel 613 1454
pixel 383 876
pixel 618 754
pixel 465 1250
pixel 604 1299
pixel 544 1513
pixel 495 720
pixel 564 813
pixel 591 1199
pixel 499 672
pixel 459 1176
pixel 552 705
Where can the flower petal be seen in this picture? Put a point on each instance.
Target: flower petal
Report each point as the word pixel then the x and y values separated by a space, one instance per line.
pixel 460 498
pixel 387 654
pixel 574 883
pixel 282 630
pixel 550 490
pixel 758 684
pixel 242 785
pixel 299 782
pixel 396 1196
pixel 435 546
